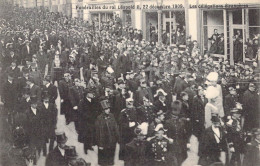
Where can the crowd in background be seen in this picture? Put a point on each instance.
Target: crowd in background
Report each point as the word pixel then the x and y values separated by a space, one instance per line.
pixel 119 88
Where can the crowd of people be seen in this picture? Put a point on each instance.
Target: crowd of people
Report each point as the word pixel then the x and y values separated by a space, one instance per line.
pixel 119 88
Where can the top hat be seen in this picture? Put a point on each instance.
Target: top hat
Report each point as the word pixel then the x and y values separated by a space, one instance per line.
pixel 159 127
pixel 61 137
pixel 70 152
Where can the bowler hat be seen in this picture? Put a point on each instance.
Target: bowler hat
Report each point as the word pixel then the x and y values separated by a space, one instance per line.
pixel 34 100
pixel 61 137
pixel 70 152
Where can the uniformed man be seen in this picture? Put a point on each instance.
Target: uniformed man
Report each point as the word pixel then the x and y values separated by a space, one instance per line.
pixel 57 156
pixel 176 131
pixel 137 149
pixel 160 149
pixel 127 124
pixel 252 154
pixel 146 111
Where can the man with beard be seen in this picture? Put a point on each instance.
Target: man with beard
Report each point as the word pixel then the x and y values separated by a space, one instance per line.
pixel 57 156
pixel 127 124
pixel 89 110
pixel 107 135
pixel 64 86
pixel 176 131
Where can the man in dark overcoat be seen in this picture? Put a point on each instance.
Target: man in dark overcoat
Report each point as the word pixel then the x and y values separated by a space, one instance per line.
pixel 49 120
pixel 250 101
pixel 50 89
pixel 137 149
pixel 34 127
pixel 57 156
pixel 213 142
pixel 176 131
pixel 64 86
pixel 75 95
pixel 107 135
pixel 89 110
pixel 127 124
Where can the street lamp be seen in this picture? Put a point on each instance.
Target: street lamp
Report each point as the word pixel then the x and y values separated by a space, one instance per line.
pixel 159 5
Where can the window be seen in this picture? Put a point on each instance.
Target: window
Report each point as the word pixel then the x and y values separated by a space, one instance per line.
pixel 213 29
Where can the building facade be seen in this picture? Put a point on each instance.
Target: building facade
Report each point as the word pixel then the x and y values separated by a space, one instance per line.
pixel 197 18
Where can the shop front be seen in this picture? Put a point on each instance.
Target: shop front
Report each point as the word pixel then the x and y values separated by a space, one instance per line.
pixel 236 27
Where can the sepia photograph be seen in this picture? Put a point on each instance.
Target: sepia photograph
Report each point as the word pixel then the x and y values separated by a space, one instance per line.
pixel 129 82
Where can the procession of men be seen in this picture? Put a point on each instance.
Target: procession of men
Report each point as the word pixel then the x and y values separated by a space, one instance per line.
pixel 119 89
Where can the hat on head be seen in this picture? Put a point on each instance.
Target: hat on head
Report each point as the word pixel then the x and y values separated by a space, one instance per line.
pixel 160 112
pixel 61 137
pixel 141 129
pixel 256 131
pixel 251 84
pixel 215 119
pixel 160 92
pixel 110 70
pixel 211 92
pixel 212 76
pixel 159 127
pixel 45 95
pixel 70 152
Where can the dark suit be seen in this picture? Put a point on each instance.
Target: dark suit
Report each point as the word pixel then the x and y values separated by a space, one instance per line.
pixel 88 113
pixel 55 158
pixel 179 86
pixel 36 91
pixel 51 91
pixel 64 95
pixel 34 129
pixel 209 148
pixel 137 153
pixel 49 121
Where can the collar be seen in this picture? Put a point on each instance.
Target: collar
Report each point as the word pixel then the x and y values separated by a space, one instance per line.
pixel 31 85
pixel 46 105
pixel 62 151
pixel 34 110
pixel 89 99
pixel 10 81
pixel 47 85
pixel 28 99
